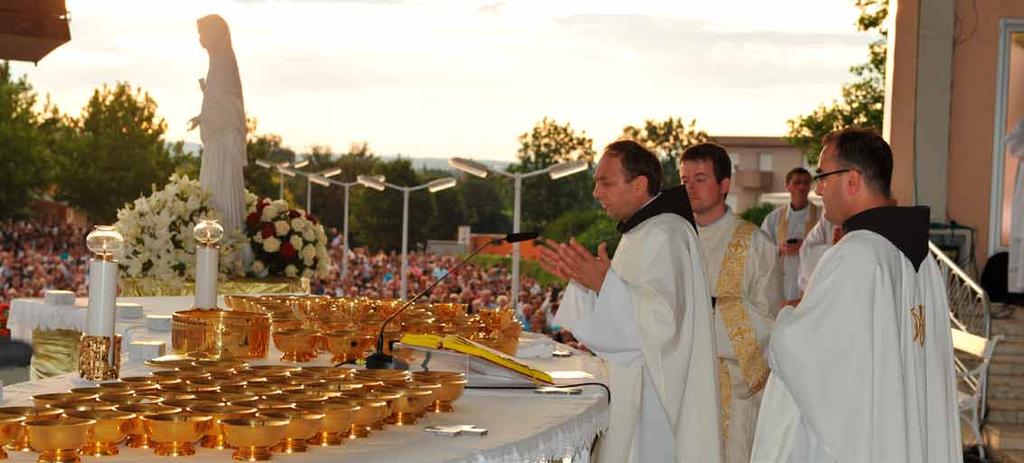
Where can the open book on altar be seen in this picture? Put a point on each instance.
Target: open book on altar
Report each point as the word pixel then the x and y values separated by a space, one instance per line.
pixel 482 364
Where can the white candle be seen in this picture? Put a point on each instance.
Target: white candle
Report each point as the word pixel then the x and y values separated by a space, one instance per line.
pixel 100 316
pixel 206 277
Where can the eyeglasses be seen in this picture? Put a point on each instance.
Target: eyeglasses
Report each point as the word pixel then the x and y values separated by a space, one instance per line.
pixel 820 175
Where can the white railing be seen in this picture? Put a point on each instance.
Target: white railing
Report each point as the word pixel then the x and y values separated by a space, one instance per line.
pixel 969 307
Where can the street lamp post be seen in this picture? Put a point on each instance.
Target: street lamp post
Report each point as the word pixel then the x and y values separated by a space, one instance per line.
pixel 347 186
pixel 284 168
pixel 319 179
pixel 555 171
pixel 432 186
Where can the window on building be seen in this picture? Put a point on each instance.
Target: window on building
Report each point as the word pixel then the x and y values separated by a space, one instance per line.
pixel 1010 108
pixel 764 162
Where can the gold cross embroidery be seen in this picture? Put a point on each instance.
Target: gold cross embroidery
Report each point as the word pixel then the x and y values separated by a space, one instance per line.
pixel 917 313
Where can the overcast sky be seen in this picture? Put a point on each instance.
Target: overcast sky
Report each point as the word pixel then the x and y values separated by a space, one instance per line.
pixel 439 78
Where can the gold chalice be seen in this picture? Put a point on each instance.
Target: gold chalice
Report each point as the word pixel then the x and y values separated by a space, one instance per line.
pixel 237 398
pixel 29 413
pixel 213 437
pixel 111 427
pixel 191 387
pixel 10 431
pixel 295 381
pixel 304 397
pixel 221 364
pixel 302 426
pixel 269 369
pixel 58 440
pixel 298 344
pixel 344 345
pixel 176 395
pixel 92 390
pixel 272 403
pixel 43 400
pixel 188 404
pixel 333 388
pixel 252 437
pixel 137 437
pixel 174 434
pixel 427 400
pixel 117 386
pixel 403 403
pixel 139 380
pixel 338 420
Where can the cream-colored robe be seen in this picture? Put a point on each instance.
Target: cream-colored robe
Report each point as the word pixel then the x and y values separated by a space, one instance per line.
pixel 862 368
pixel 762 298
pixel 652 322
pixel 796 228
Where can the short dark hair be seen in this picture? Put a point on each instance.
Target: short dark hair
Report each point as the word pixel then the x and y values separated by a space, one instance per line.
pixel 866 151
pixel 796 171
pixel 637 161
pixel 713 153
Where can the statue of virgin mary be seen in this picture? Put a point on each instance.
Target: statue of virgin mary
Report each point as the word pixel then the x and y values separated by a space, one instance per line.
pixel 222 124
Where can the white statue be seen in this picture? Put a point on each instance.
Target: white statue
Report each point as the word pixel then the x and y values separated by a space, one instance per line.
pixel 222 124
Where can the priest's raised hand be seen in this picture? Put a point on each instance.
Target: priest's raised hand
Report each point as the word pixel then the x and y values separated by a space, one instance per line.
pixel 571 261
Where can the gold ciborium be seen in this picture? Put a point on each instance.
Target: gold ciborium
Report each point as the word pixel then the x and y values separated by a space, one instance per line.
pixel 83 406
pixel 325 373
pixel 298 344
pixel 371 413
pixel 404 405
pixel 213 437
pixel 348 346
pixel 174 434
pixel 263 390
pixel 29 413
pixel 237 398
pixel 272 403
pixel 10 431
pixel 383 375
pixel 302 426
pixel 111 427
pixel 137 437
pixel 338 420
pixel 43 400
pixel 130 399
pixel 252 437
pixel 188 404
pixel 221 333
pixel 58 440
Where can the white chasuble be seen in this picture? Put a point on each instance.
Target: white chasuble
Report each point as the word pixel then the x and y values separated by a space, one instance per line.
pixel 753 273
pixel 785 223
pixel 652 322
pixel 862 368
pixel 815 244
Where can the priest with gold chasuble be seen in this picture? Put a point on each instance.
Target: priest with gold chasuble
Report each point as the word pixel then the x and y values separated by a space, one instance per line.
pixel 648 313
pixel 745 278
pixel 862 368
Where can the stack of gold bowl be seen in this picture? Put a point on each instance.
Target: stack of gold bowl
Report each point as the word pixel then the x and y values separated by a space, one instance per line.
pixel 221 333
pixel 263 410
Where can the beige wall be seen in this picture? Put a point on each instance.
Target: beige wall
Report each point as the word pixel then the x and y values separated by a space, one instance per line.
pixel 749 181
pixel 972 108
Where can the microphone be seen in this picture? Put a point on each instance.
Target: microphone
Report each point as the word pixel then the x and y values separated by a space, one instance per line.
pixel 380 360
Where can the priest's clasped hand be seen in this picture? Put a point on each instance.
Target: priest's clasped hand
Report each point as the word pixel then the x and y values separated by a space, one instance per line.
pixel 571 261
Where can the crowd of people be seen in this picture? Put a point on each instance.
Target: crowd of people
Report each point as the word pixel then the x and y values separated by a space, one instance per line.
pixel 36 256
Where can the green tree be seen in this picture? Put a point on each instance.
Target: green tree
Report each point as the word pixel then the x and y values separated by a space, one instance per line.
pixel 261 181
pixel 118 152
pixel 377 215
pixel 862 100
pixel 756 214
pixel 546 144
pixel 667 139
pixel 451 206
pixel 24 147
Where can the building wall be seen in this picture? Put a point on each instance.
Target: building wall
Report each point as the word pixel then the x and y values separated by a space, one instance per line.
pixel 972 110
pixel 750 178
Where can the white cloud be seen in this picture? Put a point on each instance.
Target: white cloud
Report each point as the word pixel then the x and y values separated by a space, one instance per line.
pixel 428 78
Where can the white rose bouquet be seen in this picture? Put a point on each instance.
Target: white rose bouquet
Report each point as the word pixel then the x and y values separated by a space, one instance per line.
pixel 286 241
pixel 158 236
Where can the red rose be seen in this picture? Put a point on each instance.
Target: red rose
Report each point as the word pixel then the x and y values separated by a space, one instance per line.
pixel 310 218
pixel 288 251
pixel 268 231
pixel 252 220
pixel 294 214
pixel 260 205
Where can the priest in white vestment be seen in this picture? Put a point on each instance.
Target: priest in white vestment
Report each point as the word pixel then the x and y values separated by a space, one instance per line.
pixel 862 368
pixel 789 225
pixel 818 240
pixel 648 313
pixel 745 277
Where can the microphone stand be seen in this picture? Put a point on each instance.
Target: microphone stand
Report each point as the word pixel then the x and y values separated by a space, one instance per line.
pixel 380 360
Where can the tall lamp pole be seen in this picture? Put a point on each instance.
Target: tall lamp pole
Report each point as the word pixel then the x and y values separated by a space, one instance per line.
pixel 283 168
pixel 432 186
pixel 555 171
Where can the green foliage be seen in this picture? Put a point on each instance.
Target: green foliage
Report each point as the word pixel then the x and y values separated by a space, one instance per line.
pixel 116 154
pixel 543 199
pixel 862 100
pixel 377 215
pixel 24 148
pixel 755 214
pixel 667 139
pixel 572 224
pixel 601 231
pixel 261 181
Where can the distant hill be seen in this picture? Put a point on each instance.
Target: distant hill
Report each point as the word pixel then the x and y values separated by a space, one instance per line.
pixel 417 163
